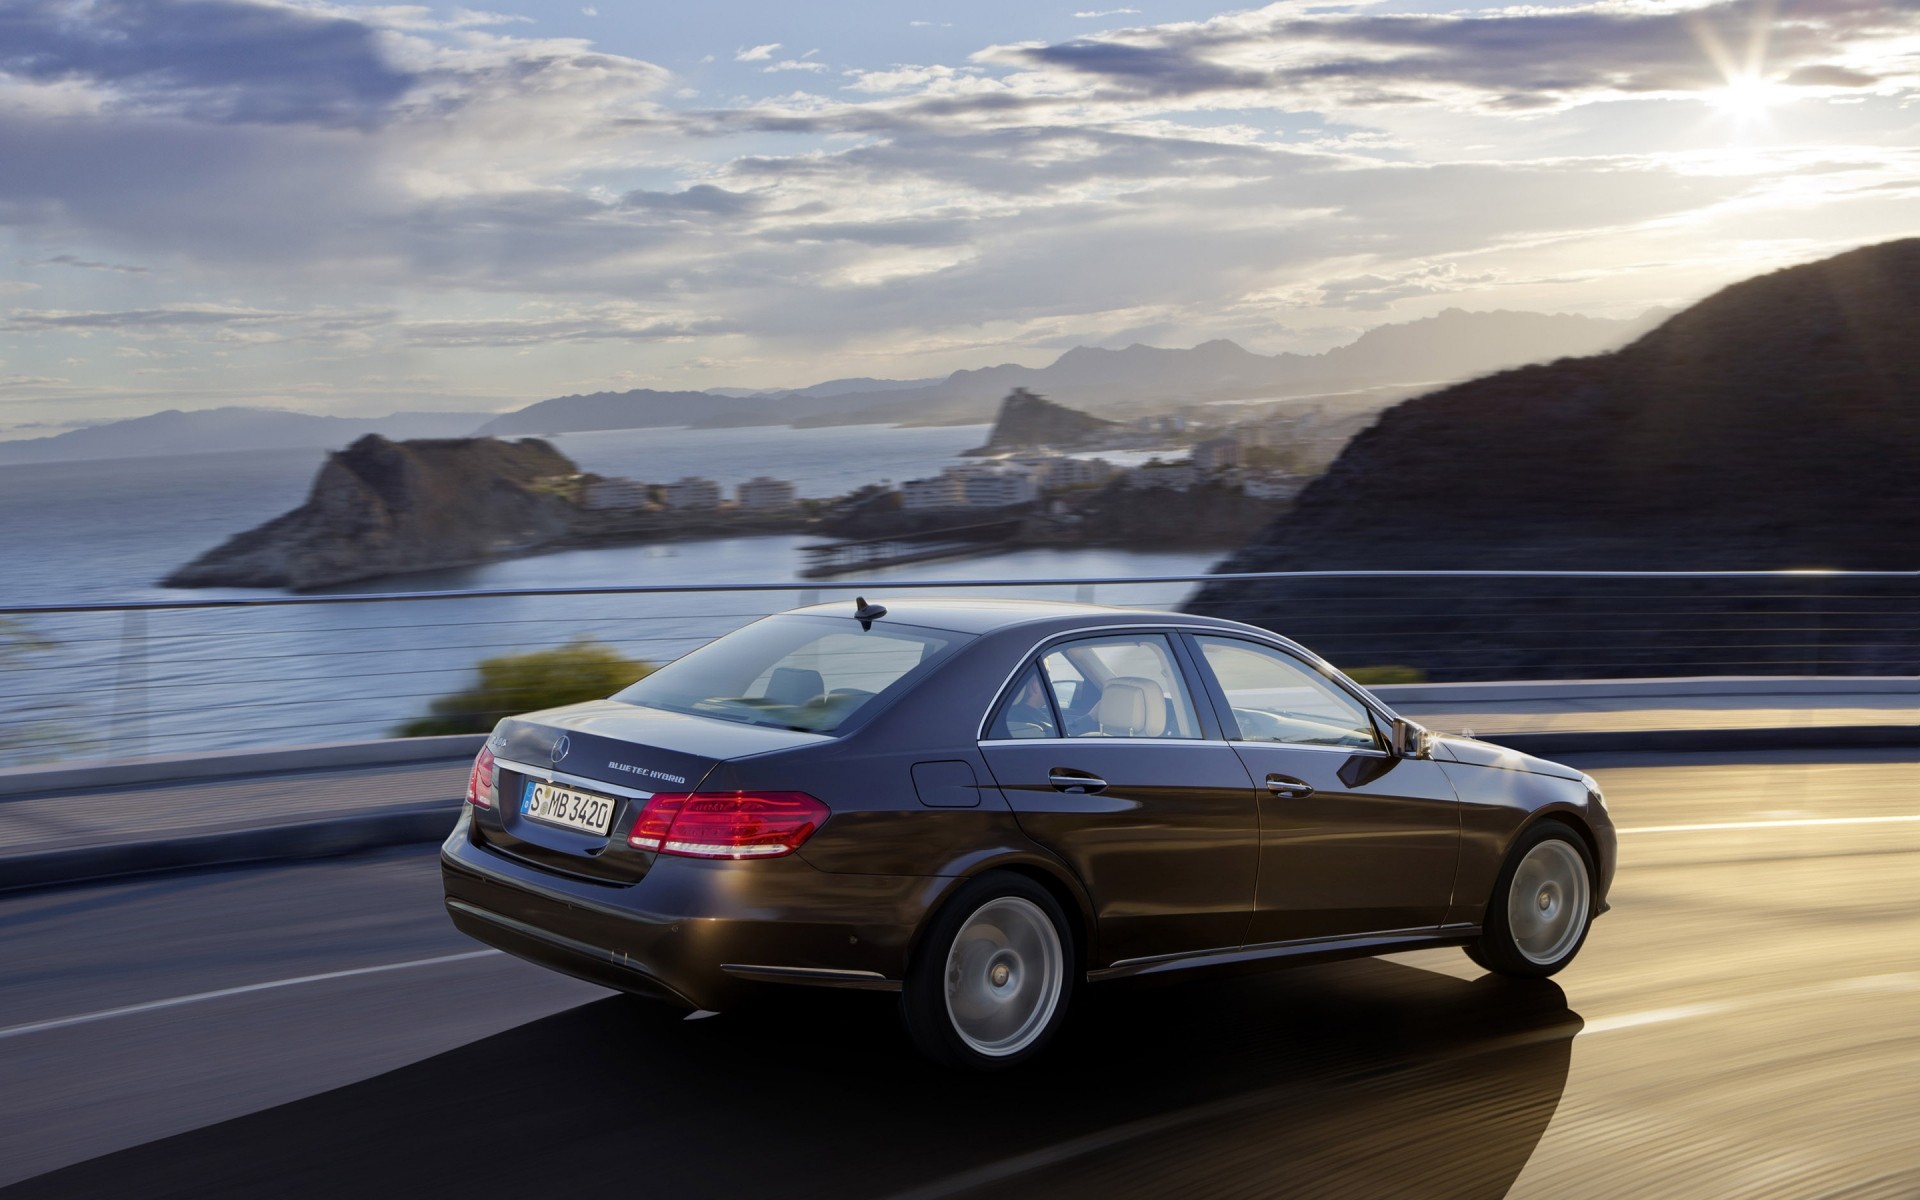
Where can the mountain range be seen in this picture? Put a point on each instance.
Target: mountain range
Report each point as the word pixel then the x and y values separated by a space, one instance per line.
pixel 1453 345
pixel 211 429
pixel 1115 383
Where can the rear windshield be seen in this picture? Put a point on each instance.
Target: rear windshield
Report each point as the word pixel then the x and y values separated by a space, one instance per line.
pixel 806 673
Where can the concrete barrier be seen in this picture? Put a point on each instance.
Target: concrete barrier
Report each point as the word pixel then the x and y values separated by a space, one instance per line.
pixel 226 764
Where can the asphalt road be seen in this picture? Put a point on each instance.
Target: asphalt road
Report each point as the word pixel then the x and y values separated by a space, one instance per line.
pixel 1746 1022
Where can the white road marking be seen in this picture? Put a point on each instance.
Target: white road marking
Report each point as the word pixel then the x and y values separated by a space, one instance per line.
pixel 1797 823
pixel 176 1001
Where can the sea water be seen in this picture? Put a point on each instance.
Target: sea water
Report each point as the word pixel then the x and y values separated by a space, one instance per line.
pixel 119 684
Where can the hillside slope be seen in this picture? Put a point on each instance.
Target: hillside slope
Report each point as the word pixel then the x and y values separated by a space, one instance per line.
pixel 380 508
pixel 1774 425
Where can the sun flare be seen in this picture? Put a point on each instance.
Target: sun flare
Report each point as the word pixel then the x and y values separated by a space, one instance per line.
pixel 1747 97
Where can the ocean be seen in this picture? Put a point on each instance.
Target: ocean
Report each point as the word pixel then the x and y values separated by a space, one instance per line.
pixel 115 685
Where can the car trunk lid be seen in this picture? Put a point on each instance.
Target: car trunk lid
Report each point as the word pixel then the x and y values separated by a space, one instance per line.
pixel 603 751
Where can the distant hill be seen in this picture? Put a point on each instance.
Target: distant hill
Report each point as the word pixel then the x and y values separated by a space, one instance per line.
pixel 1775 424
pixel 176 432
pixel 1027 421
pixel 381 507
pixel 1124 382
pixel 832 387
pixel 1127 382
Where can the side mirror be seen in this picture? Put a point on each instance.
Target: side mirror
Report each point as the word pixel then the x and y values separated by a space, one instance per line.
pixel 1410 740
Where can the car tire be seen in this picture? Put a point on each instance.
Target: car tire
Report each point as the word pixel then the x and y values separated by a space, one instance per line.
pixel 992 977
pixel 1542 905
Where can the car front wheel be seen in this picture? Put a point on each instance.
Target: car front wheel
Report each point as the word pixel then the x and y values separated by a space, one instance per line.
pixel 1542 905
pixel 990 983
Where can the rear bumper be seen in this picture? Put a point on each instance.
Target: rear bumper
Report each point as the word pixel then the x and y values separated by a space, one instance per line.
pixel 698 933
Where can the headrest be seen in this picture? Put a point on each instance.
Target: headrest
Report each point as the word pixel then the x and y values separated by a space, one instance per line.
pixel 795 686
pixel 1131 706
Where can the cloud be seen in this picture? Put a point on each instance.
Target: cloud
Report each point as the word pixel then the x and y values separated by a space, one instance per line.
pixel 1094 14
pixel 68 260
pixel 603 325
pixel 530 208
pixel 1513 59
pixel 1372 293
pixel 700 199
pixel 147 318
pixel 1816 75
pixel 211 60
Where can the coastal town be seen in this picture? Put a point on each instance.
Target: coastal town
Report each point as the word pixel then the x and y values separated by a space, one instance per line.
pixel 1042 479
pixel 1039 453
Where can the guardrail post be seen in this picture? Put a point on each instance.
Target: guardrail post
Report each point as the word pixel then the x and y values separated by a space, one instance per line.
pixel 129 724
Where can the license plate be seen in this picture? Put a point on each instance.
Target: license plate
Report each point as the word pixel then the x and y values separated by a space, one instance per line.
pixel 565 807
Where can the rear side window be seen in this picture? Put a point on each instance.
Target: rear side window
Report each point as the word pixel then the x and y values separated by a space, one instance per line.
pixel 1026 713
pixel 1119 687
pixel 805 673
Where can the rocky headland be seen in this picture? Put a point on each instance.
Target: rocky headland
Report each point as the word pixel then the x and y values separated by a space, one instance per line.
pixel 1774 425
pixel 1028 422
pixel 382 508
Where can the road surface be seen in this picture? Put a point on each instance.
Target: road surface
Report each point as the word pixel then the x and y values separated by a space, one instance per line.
pixel 1746 1022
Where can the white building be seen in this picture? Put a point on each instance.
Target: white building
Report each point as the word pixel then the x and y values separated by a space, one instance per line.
pixel 1064 472
pixel 1272 485
pixel 691 491
pixel 1001 489
pixel 1215 453
pixel 616 493
pixel 941 491
pixel 763 492
pixel 1179 476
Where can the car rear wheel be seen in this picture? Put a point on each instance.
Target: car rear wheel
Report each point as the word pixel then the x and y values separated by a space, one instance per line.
pixel 1542 905
pixel 990 983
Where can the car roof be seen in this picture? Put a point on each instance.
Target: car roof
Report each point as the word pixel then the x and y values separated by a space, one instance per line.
pixel 982 615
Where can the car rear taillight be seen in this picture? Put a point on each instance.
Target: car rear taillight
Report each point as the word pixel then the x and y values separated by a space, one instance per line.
pixel 480 780
pixel 727 824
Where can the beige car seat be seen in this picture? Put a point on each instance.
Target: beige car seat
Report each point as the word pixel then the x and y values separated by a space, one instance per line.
pixel 1131 706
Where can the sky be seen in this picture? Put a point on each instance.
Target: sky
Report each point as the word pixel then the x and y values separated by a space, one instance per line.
pixel 357 209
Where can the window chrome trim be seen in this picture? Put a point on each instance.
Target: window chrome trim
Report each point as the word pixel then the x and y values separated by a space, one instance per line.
pixel 1025 659
pixel 1349 751
pixel 1231 631
pixel 568 779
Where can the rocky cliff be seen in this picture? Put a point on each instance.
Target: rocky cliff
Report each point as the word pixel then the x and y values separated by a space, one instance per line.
pixel 382 508
pixel 1027 421
pixel 1775 424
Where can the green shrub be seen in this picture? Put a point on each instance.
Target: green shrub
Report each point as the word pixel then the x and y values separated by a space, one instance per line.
pixel 515 683
pixel 1368 676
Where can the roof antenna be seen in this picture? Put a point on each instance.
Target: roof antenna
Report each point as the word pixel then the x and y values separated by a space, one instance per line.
pixel 866 613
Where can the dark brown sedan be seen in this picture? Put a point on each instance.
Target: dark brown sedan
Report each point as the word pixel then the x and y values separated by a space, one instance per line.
pixel 983 805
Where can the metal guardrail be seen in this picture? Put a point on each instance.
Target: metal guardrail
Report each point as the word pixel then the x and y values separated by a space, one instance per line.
pixel 126 679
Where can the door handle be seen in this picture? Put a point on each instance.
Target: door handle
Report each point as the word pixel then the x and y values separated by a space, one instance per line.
pixel 1076 781
pixel 1287 785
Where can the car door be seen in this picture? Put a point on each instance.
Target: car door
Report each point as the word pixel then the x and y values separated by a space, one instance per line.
pixel 1107 760
pixel 1353 839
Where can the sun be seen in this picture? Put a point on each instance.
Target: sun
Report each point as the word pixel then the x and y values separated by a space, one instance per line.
pixel 1747 97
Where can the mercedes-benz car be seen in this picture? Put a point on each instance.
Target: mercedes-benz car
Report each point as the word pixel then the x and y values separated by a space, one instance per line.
pixel 985 805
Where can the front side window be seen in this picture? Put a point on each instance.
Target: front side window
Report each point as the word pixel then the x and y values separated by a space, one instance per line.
pixel 1277 698
pixel 805 673
pixel 1119 687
